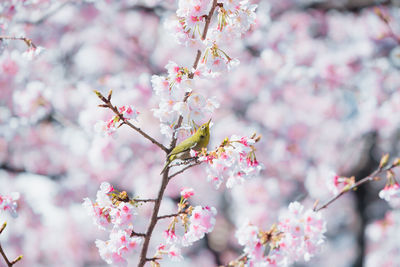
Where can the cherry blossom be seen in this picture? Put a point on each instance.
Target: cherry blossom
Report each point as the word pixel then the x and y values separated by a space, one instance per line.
pixel 115 250
pixel 234 161
pixel 172 90
pixel 391 193
pixel 106 213
pixel 297 237
pixel 32 52
pixel 9 203
pixel 109 127
pixel 187 192
pixel 115 212
pixel 201 221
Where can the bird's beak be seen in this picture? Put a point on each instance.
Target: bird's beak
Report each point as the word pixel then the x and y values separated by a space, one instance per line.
pixel 208 123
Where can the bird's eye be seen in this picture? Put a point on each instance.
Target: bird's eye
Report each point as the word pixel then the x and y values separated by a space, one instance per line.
pixel 202 127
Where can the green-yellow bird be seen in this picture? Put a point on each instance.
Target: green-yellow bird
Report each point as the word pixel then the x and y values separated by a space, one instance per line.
pixel 196 142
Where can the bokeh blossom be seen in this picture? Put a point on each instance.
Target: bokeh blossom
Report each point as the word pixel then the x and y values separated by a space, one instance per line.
pixel 9 203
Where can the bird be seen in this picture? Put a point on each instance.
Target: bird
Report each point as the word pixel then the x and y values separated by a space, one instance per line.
pixel 196 142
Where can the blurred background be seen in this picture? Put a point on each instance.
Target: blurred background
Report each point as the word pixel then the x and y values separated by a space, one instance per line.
pixel 319 80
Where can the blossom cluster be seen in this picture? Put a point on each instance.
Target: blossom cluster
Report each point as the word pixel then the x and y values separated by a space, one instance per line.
pixel 115 213
pixel 176 91
pixel 171 90
pixel 109 127
pixel 298 236
pixel 9 203
pixel 233 161
pixel 234 18
pixel 196 222
pixel 391 193
pixel 32 52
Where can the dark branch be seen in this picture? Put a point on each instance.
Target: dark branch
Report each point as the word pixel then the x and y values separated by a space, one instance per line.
pixel 184 169
pixel 133 233
pixel 170 215
pixel 3 254
pixel 146 200
pixel 27 41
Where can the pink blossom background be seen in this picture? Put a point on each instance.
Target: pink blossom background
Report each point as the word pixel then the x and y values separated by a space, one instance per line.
pixel 319 80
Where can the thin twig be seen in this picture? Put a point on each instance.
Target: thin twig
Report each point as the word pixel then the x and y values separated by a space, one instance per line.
pixel 184 162
pixel 3 227
pixel 241 258
pixel 153 259
pixel 170 215
pixel 357 184
pixel 184 169
pixel 133 233
pixel 3 254
pixel 109 105
pixel 27 41
pixel 145 200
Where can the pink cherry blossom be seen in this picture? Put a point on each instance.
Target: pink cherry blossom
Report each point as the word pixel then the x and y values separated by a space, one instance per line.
pixel 187 192
pixel 32 52
pixel 170 236
pixel 201 222
pixel 123 215
pixel 9 203
pixel 174 253
pixel 233 162
pixel 120 244
pixel 391 193
pixel 129 112
pixel 298 237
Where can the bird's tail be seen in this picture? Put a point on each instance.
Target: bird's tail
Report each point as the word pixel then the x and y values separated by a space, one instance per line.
pixel 165 167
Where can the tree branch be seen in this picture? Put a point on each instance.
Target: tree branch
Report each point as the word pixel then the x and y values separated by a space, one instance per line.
pixel 108 104
pixel 3 254
pixel 27 41
pixel 366 179
pixel 184 169
pixel 170 215
pixel 241 259
pixel 153 220
pixel 133 233
pixel 145 200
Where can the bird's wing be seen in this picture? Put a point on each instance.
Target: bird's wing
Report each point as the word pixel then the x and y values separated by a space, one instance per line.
pixel 178 149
